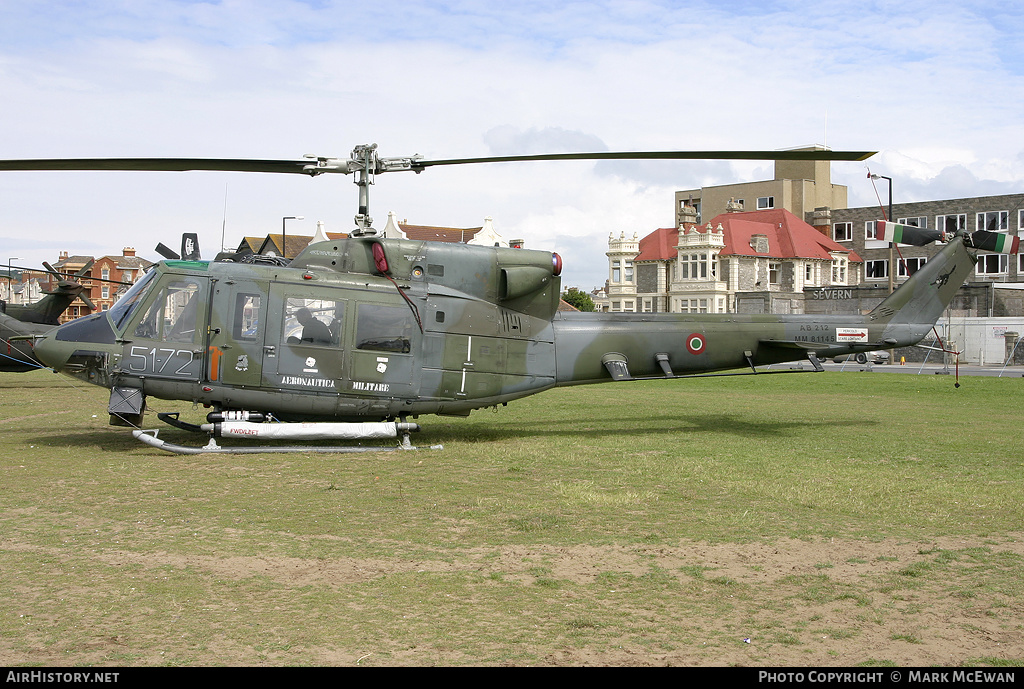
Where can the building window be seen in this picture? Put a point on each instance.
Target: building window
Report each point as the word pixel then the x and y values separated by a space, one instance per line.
pixel 628 306
pixel 842 231
pixel 994 221
pixel 697 266
pixel 105 292
pixel 876 270
pixel 809 272
pixel 839 266
pixel 909 266
pixel 693 306
pixel 993 264
pixel 616 306
pixel 773 273
pixel 951 223
pixel 870 230
pixel 765 202
pixel 629 271
pixel 920 221
pixel 648 306
pixel 616 272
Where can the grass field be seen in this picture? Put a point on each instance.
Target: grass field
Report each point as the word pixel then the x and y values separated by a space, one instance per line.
pixel 818 519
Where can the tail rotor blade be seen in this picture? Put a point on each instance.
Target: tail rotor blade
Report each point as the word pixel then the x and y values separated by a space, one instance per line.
pixel 998 242
pixel 907 234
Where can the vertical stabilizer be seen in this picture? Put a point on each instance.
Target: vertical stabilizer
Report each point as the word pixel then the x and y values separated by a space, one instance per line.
pixel 923 298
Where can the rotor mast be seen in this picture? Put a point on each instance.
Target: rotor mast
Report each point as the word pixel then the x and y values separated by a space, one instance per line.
pixel 364 164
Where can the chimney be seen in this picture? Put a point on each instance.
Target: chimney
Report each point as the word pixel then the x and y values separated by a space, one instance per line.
pixel 822 220
pixel 128 251
pixel 687 216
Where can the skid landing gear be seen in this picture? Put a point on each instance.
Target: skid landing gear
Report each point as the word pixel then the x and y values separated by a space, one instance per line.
pixel 239 425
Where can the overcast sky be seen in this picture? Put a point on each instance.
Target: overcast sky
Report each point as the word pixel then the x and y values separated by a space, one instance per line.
pixel 935 87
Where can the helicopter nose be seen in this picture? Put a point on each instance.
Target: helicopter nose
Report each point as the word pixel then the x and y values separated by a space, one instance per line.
pixel 48 351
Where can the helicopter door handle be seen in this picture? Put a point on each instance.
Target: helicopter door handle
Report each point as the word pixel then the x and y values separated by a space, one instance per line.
pixel 269 350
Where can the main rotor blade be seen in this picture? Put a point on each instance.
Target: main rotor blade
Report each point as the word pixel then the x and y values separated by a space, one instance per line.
pixel 161 164
pixel 660 155
pixel 316 166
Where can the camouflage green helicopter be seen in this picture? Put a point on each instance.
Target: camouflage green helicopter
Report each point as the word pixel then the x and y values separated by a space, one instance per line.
pixel 20 323
pixel 354 337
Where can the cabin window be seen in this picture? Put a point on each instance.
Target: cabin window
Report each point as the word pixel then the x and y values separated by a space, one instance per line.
pixel 384 328
pixel 246 319
pixel 315 322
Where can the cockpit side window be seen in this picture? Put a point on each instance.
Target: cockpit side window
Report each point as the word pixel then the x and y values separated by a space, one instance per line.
pixel 126 305
pixel 172 316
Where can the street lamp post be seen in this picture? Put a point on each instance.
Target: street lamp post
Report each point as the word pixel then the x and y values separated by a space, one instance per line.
pixel 892 254
pixel 13 258
pixel 284 237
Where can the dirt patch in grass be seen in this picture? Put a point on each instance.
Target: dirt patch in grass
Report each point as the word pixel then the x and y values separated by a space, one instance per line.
pixel 785 603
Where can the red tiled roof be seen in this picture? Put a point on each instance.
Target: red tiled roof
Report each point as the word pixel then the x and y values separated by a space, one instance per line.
pixel 430 233
pixel 659 245
pixel 788 235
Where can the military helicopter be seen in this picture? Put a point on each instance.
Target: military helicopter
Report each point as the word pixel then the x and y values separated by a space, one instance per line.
pixel 20 323
pixel 353 337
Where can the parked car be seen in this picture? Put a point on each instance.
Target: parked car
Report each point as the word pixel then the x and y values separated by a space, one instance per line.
pixel 876 357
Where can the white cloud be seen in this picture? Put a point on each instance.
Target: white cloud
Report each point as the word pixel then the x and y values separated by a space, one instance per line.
pixel 937 88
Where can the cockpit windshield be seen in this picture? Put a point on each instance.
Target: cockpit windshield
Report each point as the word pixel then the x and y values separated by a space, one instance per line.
pixel 127 304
